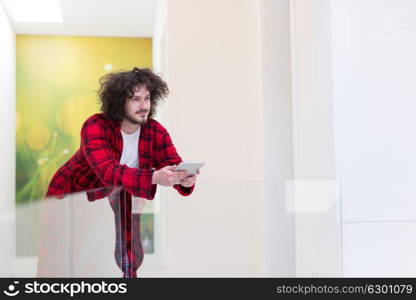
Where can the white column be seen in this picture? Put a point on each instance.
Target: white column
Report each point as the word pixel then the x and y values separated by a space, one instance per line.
pixel 277 91
pixel 315 191
pixel 216 116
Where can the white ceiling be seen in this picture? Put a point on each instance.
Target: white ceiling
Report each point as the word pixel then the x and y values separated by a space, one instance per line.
pixel 113 18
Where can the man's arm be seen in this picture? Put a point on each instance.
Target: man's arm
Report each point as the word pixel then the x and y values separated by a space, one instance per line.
pixel 102 158
pixel 166 155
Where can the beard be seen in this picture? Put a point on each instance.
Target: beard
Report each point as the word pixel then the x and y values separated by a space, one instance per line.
pixel 139 120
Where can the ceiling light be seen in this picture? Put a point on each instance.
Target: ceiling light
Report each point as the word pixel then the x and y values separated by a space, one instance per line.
pixel 39 11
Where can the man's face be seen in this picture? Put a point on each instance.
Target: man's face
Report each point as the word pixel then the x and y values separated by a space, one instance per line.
pixel 137 108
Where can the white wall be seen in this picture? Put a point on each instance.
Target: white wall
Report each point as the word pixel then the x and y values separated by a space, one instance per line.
pixel 7 147
pixel 254 103
pixel 312 90
pixel 314 190
pixel 277 103
pixel 216 116
pixel 374 42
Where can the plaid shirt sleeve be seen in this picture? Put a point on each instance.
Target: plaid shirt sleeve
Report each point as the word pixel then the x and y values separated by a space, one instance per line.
pixel 102 158
pixel 166 155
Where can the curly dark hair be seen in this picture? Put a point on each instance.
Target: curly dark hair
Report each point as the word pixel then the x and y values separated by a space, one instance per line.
pixel 116 88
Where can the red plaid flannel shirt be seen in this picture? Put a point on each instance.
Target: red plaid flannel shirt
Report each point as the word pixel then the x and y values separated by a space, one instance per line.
pixel 96 169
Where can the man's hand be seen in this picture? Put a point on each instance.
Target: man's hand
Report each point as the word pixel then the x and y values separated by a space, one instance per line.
pixel 167 176
pixel 189 180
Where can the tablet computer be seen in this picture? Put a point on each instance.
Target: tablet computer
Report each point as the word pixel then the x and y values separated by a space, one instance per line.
pixel 191 168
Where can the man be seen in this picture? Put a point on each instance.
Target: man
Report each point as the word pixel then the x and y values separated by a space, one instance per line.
pixel 124 152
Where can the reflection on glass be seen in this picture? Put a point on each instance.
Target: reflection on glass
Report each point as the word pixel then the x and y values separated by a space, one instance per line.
pixel 77 236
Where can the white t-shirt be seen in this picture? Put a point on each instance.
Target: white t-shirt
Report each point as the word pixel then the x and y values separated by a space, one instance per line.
pixel 130 158
pixel 130 154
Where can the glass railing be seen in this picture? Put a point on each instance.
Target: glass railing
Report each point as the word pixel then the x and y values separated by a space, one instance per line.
pixel 225 228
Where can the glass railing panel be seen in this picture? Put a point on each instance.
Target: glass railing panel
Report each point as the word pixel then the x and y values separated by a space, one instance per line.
pixel 287 228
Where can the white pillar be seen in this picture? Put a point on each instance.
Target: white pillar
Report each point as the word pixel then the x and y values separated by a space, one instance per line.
pixel 216 116
pixel 315 189
pixel 277 100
